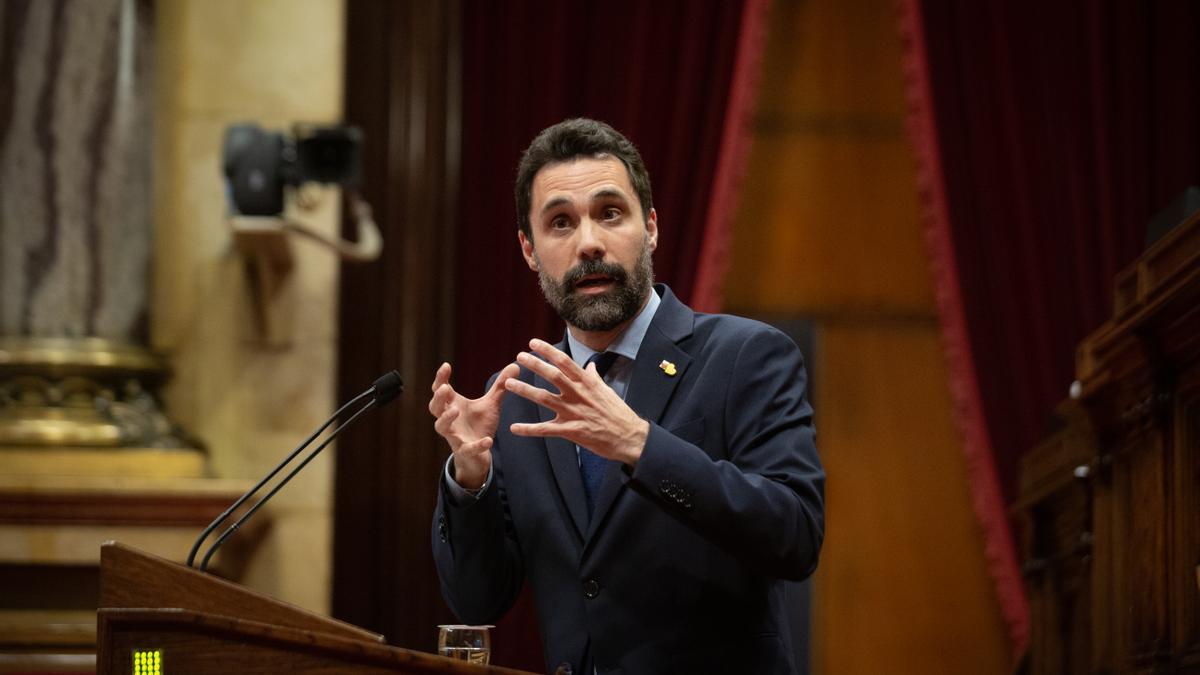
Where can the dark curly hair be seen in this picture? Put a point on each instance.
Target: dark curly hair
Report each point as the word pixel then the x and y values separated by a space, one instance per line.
pixel 568 140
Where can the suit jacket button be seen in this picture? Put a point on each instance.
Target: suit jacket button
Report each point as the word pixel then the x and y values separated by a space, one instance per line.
pixel 591 588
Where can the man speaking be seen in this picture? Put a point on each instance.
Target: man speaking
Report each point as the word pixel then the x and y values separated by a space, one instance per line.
pixel 653 475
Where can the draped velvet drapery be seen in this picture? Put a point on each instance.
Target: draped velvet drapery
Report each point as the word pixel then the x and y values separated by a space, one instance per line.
pixel 1047 135
pixel 662 73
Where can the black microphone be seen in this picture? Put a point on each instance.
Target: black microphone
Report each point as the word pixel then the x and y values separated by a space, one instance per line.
pixel 386 388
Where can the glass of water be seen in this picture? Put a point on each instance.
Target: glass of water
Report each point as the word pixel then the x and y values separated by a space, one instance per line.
pixel 465 643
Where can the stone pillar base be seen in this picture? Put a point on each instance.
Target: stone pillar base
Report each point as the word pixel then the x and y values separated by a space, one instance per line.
pixel 83 393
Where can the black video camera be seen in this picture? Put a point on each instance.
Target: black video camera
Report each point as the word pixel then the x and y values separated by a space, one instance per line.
pixel 258 164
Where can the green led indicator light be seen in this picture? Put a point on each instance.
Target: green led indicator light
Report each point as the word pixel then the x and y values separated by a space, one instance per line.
pixel 147 662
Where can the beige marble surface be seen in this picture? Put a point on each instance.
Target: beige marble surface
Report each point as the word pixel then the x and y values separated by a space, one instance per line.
pixel 37 466
pixel 80 545
pixel 273 62
pixel 75 222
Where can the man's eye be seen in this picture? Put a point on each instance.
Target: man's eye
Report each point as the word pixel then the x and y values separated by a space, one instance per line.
pixel 612 213
pixel 560 223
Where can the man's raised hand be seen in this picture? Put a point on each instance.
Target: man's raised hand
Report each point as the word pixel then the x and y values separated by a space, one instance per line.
pixel 587 411
pixel 468 425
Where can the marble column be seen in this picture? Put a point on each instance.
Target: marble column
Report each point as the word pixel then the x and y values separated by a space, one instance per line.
pixel 76 95
pixel 75 214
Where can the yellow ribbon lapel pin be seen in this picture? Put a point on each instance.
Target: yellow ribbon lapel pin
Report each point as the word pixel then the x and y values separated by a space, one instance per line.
pixel 668 368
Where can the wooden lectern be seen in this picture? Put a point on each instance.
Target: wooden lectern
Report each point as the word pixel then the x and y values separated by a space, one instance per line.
pixel 157 616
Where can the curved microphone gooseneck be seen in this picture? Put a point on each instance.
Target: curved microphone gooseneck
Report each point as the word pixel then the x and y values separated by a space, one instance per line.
pixel 386 388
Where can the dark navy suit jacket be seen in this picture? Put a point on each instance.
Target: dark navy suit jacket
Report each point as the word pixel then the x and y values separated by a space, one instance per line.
pixel 679 569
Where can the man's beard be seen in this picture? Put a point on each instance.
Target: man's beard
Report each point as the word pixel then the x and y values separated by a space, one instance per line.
pixel 604 311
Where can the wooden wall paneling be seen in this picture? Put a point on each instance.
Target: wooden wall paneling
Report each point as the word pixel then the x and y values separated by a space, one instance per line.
pixel 833 64
pixel 1074 588
pixel 838 219
pixel 828 216
pixel 1129 427
pixel 1184 581
pixel 1181 340
pixel 1185 559
pixel 402 89
pixel 1145 587
pixel 1065 579
pixel 902 587
pixel 1040 609
pixel 1139 390
pixel 1056 530
pixel 1104 565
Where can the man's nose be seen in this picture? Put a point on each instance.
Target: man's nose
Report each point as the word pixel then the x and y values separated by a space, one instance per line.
pixel 591 242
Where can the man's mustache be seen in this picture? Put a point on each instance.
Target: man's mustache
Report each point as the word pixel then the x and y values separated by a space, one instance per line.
pixel 590 267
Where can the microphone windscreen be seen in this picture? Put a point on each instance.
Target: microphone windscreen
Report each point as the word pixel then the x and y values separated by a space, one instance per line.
pixel 388 387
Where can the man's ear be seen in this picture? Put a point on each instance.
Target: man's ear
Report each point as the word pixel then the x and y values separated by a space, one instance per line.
pixel 527 250
pixel 652 229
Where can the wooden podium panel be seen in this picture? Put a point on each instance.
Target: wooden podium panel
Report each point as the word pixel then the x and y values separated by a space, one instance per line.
pixel 195 642
pixel 192 622
pixel 133 579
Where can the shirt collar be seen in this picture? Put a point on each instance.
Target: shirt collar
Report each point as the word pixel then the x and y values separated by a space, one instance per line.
pixel 628 342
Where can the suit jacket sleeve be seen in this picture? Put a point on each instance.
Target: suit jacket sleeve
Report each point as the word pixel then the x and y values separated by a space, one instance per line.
pixel 760 495
pixel 477 557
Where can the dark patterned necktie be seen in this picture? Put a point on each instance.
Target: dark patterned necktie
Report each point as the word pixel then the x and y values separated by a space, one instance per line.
pixel 591 465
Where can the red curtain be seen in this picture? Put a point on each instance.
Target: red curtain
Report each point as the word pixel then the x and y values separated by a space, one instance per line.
pixel 659 72
pixel 1047 134
pixel 673 76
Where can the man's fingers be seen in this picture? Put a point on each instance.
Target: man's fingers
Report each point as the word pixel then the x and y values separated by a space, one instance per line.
pixel 536 394
pixel 539 429
pixel 443 422
pixel 557 357
pixel 510 371
pixel 442 396
pixel 546 371
pixel 475 447
pixel 555 428
pixel 441 377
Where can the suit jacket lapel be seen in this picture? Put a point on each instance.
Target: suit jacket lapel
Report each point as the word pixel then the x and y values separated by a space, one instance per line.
pixel 650 389
pixel 564 461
